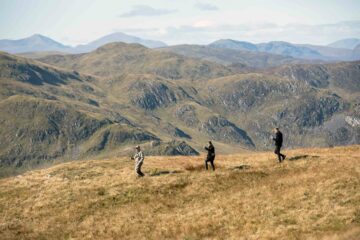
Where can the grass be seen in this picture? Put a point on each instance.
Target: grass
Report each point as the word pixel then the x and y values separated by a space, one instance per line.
pixel 249 196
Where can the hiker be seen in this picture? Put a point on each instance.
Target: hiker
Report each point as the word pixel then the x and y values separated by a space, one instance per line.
pixel 278 144
pixel 210 156
pixel 139 160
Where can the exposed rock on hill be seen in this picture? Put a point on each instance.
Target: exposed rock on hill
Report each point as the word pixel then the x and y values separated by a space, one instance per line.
pixel 151 95
pixel 188 115
pixel 221 129
pixel 340 75
pixel 172 148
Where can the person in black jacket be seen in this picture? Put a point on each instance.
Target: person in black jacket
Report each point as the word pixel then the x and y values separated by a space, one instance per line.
pixel 210 156
pixel 278 144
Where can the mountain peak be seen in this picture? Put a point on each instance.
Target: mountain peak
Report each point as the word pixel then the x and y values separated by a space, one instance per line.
pixel 118 37
pixel 234 44
pixel 37 35
pixel 348 43
pixel 120 45
pixel 33 43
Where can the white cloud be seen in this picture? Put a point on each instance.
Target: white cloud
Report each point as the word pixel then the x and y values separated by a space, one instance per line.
pixel 203 23
pixel 205 32
pixel 206 6
pixel 144 10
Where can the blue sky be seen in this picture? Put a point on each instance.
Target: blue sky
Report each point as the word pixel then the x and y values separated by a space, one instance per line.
pixel 187 21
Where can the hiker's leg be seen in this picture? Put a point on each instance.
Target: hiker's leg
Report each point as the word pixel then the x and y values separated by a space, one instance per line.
pixel 138 169
pixel 212 165
pixel 282 155
pixel 206 164
pixel 277 152
pixel 141 173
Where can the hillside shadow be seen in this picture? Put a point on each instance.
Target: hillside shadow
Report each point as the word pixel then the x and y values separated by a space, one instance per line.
pixel 36 75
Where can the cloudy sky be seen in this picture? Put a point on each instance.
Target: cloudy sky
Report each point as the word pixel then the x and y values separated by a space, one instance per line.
pixel 183 21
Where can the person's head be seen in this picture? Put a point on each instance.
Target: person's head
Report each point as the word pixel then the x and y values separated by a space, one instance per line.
pixel 210 143
pixel 137 148
pixel 276 129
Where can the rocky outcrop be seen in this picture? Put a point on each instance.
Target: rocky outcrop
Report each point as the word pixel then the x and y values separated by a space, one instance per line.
pixel 219 128
pixel 117 135
pixel 341 75
pixel 172 148
pixel 174 131
pixel 152 95
pixel 311 111
pixel 188 115
pixel 314 75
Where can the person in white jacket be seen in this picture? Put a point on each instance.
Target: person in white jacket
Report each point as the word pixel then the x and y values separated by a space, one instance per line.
pixel 139 160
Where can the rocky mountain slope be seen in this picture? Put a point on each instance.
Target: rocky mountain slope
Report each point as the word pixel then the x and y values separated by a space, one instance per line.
pixel 48 114
pixel 104 102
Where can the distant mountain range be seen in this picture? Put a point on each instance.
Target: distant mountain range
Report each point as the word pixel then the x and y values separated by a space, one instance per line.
pixel 40 43
pixel 301 51
pixel 117 37
pixel 342 50
pixel 34 43
pixel 241 60
pixel 349 43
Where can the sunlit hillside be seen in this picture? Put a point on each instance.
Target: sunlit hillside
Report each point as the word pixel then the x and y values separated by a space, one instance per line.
pixel 314 194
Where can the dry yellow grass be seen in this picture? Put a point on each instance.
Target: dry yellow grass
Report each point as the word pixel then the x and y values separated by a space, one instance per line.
pixel 249 196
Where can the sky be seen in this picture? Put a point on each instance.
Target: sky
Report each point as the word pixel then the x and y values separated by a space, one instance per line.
pixel 74 22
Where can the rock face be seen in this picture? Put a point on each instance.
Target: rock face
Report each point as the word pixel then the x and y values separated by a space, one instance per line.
pixel 155 94
pixel 341 75
pixel 174 131
pixel 352 121
pixel 172 148
pixel 219 128
pixel 188 115
pixel 317 76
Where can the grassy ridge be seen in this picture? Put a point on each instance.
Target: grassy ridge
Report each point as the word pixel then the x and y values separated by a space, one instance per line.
pixel 315 194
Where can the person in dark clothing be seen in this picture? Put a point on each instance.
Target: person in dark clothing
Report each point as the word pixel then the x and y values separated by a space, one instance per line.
pixel 210 156
pixel 278 144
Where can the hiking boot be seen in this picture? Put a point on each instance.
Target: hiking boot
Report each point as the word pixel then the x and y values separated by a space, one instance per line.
pixel 284 157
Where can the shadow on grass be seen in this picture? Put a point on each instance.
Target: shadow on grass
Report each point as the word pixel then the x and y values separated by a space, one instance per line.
pixel 192 168
pixel 241 167
pixel 157 172
pixel 300 157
